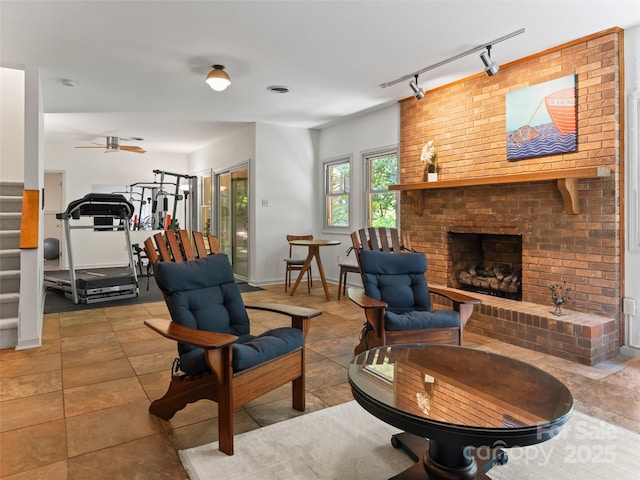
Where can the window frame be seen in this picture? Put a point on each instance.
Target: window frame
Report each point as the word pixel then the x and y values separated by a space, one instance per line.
pixel 326 195
pixel 367 158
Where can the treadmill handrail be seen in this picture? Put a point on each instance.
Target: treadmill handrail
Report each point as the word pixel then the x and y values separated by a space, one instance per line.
pixel 98 205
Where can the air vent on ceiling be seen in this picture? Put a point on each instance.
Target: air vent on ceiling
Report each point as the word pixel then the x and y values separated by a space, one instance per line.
pixel 278 89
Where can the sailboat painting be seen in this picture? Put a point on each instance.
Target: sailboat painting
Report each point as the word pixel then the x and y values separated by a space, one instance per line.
pixel 541 120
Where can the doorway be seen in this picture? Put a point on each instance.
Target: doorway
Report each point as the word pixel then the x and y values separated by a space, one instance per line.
pixel 53 226
pixel 233 218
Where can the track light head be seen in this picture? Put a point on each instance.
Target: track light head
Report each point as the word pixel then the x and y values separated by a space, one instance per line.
pixel 417 91
pixel 489 65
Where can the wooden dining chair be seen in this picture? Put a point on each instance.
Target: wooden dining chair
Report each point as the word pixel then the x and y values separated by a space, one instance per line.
pixel 345 268
pixel 295 263
pixel 219 358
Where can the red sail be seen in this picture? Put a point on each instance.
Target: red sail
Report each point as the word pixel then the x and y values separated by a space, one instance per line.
pixel 561 106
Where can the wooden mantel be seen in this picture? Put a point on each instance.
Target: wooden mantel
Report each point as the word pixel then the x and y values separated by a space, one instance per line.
pixel 567 180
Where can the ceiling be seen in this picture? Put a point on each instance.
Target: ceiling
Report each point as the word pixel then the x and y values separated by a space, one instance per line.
pixel 139 66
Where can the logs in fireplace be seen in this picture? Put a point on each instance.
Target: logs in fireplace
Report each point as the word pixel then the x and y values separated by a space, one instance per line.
pixel 498 280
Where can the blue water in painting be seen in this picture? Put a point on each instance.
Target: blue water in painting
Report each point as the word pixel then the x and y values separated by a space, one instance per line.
pixel 550 142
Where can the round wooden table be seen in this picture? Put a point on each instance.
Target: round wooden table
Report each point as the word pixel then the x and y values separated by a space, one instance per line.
pixel 459 407
pixel 314 251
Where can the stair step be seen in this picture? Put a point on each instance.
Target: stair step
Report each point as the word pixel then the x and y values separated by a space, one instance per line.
pixel 10 203
pixel 11 189
pixel 10 259
pixel 10 220
pixel 9 239
pixel 8 332
pixel 10 281
pixel 9 304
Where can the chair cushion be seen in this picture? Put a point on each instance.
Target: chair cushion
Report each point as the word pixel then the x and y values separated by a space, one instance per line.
pixel 294 261
pixel 418 320
pixel 202 294
pixel 248 351
pixel 269 345
pixel 399 280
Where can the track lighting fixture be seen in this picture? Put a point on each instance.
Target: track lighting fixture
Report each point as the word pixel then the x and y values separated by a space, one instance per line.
pixel 218 79
pixel 489 65
pixel 491 68
pixel 417 91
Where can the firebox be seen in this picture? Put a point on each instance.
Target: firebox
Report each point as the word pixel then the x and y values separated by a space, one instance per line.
pixel 486 263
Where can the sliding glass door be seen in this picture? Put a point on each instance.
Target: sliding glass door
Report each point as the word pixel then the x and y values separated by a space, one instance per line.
pixel 233 218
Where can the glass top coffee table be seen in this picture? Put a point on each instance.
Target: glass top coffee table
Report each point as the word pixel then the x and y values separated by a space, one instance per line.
pixel 458 407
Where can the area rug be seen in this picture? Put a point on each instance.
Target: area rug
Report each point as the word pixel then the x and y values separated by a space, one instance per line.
pixel 346 442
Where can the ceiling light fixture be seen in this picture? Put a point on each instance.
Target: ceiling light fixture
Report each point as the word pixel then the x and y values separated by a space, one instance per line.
pixel 218 79
pixel 456 57
pixel 417 91
pixel 489 65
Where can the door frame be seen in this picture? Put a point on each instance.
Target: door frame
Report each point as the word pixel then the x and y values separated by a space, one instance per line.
pixel 215 205
pixel 49 210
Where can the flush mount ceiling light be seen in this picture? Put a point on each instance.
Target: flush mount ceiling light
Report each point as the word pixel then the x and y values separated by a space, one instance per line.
pixel 218 79
pixel 484 46
pixel 417 91
pixel 489 65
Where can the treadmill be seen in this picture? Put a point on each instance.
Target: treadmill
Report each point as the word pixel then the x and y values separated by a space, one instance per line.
pixel 96 284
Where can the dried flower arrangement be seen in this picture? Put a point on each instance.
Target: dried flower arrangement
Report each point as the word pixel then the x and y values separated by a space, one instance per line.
pixel 430 156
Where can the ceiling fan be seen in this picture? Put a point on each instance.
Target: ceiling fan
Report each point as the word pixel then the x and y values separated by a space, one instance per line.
pixel 113 145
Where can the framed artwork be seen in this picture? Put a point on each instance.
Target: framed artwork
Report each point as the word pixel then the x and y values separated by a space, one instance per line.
pixel 541 120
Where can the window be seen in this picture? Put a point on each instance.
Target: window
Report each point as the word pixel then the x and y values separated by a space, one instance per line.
pixel 382 204
pixel 337 178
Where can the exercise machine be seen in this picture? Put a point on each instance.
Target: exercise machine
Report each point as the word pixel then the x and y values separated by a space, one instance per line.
pixel 97 284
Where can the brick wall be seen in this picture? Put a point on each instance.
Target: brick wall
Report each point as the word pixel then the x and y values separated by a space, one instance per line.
pixel 467 121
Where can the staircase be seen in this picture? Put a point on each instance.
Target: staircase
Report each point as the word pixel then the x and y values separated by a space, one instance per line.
pixel 10 213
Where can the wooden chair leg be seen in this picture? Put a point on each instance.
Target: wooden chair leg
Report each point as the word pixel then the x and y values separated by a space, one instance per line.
pixel 225 402
pixel 298 393
pixel 287 279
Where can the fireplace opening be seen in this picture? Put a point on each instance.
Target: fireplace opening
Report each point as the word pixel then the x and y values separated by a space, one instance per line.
pixel 486 263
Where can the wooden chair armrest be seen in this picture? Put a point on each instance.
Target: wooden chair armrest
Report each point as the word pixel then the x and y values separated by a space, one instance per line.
pixel 199 338
pixel 291 310
pixel 299 315
pixel 357 296
pixel 455 297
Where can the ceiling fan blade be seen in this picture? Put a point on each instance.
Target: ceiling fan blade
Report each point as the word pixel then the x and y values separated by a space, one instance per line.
pixel 133 149
pixel 98 146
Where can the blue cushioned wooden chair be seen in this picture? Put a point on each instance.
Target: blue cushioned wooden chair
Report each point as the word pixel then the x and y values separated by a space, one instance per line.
pixel 219 359
pixel 397 303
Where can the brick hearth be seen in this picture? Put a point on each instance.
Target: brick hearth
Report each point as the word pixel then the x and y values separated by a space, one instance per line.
pixel 577 336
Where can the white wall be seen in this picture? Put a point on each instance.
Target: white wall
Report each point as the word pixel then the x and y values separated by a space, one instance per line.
pixel 11 125
pixel 223 154
pixel 83 168
pixel 632 168
pixel 283 196
pixel 281 172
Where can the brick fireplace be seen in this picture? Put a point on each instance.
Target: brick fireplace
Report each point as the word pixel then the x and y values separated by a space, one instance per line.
pixel 570 229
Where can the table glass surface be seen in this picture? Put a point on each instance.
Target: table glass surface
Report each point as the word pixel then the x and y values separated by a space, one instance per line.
pixel 459 386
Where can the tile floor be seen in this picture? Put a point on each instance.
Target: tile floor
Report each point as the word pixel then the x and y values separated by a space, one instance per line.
pixel 76 408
